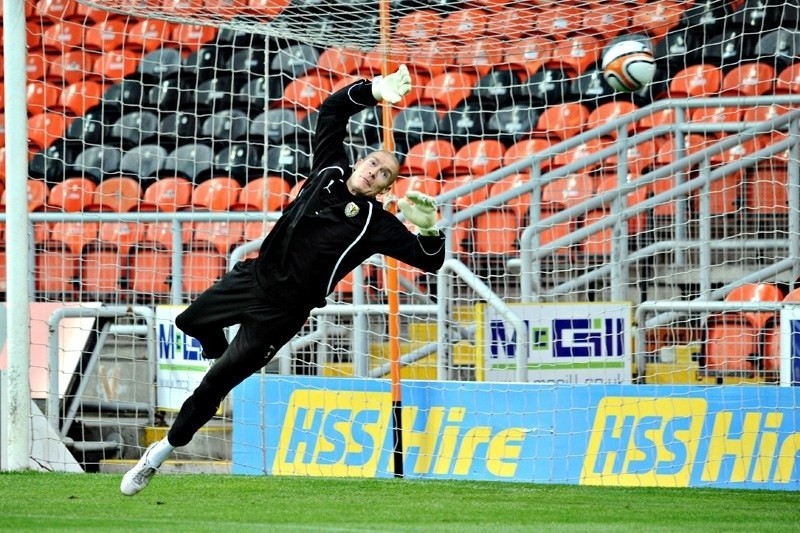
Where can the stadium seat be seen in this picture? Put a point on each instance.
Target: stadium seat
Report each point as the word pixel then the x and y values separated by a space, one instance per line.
pixel 430 158
pixel 212 95
pixel 249 62
pixel 547 86
pixel 36 66
pixel 55 272
pixel 462 125
pixel 416 123
pixel 481 55
pixel 597 246
pixel 37 195
pixel 268 193
pixel 583 153
pixel 495 232
pixel 289 161
pixel 144 162
pixel 420 183
pixel 493 89
pixel 117 194
pixel 62 36
pixel 97 162
pixel 338 61
pixel 54 163
pixel 160 63
pixel 639 158
pixel 225 126
pixel 101 273
pixel 568 191
pixel 527 148
pixel 78 97
pixel 656 19
pixel 576 54
pixel 239 160
pixel 55 10
pixel 418 25
pixel 766 192
pixel 150 272
pixel 788 80
pixel 192 162
pixel 511 124
pixel 216 194
pixel 748 79
pixel 715 115
pixel 469 199
pixel 192 36
pixel 637 223
pixel 730 345
pixel 562 121
pixel 295 61
pixel 121 236
pixel 609 20
pixel 464 24
pixel 519 205
pixel 609 111
pixel 167 194
pixel 116 64
pixel 73 236
pixel 729 48
pixel 148 34
pixel 218 235
pixel 201 269
pixel 91 128
pixel 124 96
pixel 445 91
pixel 560 20
pixel 668 152
pixel 756 292
pixel 429 59
pixel 105 36
pixel 205 63
pixel 67 68
pixel 778 47
pixel 306 93
pixel 41 97
pixel 696 80
pixel 71 195
pixel 134 129
pixel 479 157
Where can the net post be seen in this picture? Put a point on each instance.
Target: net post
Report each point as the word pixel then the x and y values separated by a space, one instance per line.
pixel 18 392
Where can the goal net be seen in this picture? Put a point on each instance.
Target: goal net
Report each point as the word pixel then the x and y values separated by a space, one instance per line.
pixel 637 241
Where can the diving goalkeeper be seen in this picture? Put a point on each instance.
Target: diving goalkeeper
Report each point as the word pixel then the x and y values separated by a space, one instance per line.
pixel 334 225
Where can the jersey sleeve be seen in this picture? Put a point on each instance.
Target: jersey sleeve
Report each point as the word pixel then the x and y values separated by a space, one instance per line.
pixel 334 113
pixel 390 237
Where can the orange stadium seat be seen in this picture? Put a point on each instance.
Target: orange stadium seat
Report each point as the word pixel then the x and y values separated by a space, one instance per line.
pixel 788 80
pixel 583 152
pixel 766 191
pixel 519 205
pixel 117 64
pixel 56 10
pixel 90 14
pixel 191 37
pixel 105 36
pixel 667 152
pixel 120 235
pixel 607 19
pixel 71 67
pixel 610 111
pixel 430 158
pixel 527 148
pixel 481 55
pixel 598 245
pixel 730 344
pixel 420 183
pixel 464 25
pixel 55 271
pixel 36 66
pixel 216 194
pixel 150 272
pixel 495 232
pixel 576 54
pixel 479 157
pixel 42 96
pixel 418 25
pixel 45 128
pixel 71 195
pixel 445 91
pixel 469 199
pixel 560 20
pixel 639 158
pixel 269 193
pixel 696 80
pixel 220 235
pixel 101 271
pixel 307 93
pixel 62 36
pixel 168 194
pixel 118 194
pixel 201 269
pixel 562 121
pixel 637 223
pixel 340 61
pixel 664 117
pixel 756 292
pixel 716 115
pixel 148 34
pixel 513 22
pixel 528 55
pixel 657 18
pixel 565 192
pixel 431 58
pixel 749 79
pixel 73 236
pixel 37 195
pixel 78 97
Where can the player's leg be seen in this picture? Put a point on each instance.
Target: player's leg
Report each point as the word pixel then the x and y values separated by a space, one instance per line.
pixel 218 307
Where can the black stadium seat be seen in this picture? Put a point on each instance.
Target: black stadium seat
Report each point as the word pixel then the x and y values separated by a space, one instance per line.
pixel 214 94
pixel 728 49
pixel 591 88
pixel 706 18
pixel 365 127
pixel 227 125
pixel 191 161
pixel 206 63
pixel 464 124
pixel 779 47
pixel 547 86
pixel 178 127
pixel 54 163
pixel 250 62
pixel 127 95
pixel 295 60
pixel 414 124
pixel 275 126
pixel 512 123
pixel 493 90
pixel 91 128
pixel 239 161
pixel 169 95
pixel 289 161
pixel 97 162
pixel 159 64
pixel 677 50
pixel 257 94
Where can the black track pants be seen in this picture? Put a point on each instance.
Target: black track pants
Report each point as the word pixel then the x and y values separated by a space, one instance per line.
pixel 264 328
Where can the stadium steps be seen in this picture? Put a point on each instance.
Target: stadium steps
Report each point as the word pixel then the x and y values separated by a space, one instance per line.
pixel 172 466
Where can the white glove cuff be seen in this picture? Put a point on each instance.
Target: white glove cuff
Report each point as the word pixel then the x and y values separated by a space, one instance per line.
pixel 376 88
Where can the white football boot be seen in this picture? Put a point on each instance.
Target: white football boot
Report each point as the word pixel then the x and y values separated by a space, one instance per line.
pixel 137 478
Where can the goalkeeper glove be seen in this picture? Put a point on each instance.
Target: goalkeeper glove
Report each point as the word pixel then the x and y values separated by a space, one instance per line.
pixel 420 210
pixel 392 88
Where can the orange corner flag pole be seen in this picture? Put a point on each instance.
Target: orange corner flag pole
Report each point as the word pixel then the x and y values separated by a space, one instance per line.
pixel 392 282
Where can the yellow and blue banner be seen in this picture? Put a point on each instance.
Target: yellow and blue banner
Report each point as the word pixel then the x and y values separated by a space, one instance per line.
pixel 614 435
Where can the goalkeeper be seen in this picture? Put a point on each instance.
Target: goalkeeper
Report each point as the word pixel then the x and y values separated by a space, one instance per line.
pixel 334 225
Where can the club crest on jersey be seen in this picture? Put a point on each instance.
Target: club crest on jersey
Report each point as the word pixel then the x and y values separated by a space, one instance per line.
pixel 351 209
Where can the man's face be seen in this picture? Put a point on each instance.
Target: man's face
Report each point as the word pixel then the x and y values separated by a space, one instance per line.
pixel 373 174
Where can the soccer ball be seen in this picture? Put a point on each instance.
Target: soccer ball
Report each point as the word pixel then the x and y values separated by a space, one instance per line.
pixel 628 66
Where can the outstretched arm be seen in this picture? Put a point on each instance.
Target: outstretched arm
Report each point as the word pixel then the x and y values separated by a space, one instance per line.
pixel 336 110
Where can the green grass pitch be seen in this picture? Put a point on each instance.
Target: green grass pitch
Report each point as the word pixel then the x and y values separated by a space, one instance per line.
pixel 81 502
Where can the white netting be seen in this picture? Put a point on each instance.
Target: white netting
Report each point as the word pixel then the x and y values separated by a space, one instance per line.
pixel 193 119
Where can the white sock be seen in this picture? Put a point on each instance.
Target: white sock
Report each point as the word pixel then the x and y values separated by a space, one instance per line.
pixel 159 453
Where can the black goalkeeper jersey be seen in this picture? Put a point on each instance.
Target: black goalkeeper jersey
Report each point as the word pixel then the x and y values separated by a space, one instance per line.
pixel 327 232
